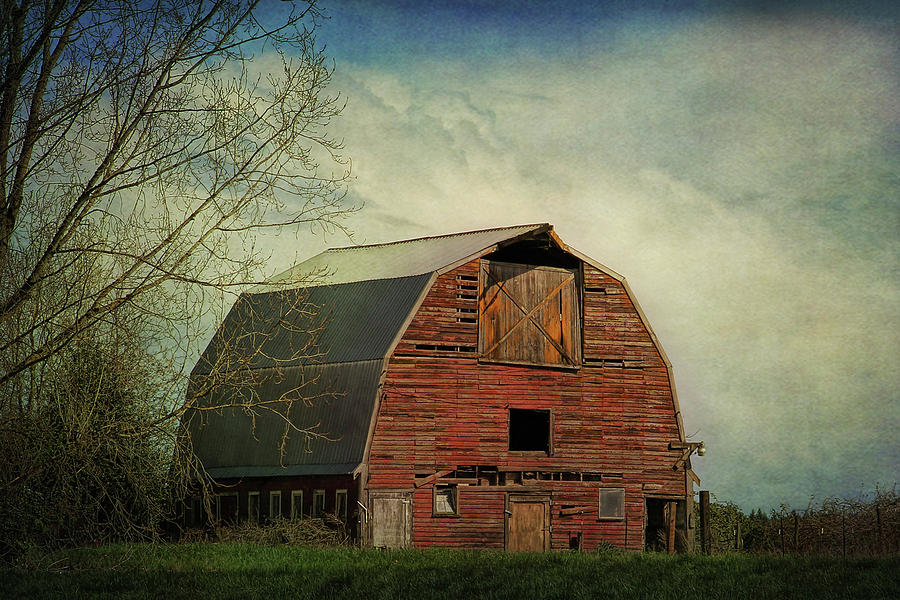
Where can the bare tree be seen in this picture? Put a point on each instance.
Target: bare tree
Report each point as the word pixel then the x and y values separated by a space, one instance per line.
pixel 142 147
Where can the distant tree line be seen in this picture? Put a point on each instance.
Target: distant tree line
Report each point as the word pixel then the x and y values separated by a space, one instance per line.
pixel 868 525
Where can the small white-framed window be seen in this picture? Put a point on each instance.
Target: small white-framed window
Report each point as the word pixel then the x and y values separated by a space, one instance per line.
pixel 611 503
pixel 275 504
pixel 296 504
pixel 446 500
pixel 340 505
pixel 253 507
pixel 318 505
pixel 226 507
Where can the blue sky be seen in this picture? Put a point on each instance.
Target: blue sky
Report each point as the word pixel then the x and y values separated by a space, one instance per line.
pixel 737 162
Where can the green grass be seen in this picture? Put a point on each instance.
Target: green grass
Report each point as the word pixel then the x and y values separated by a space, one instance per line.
pixel 246 571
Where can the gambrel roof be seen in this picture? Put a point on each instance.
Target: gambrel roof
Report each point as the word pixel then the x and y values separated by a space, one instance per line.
pixel 358 300
pixel 405 258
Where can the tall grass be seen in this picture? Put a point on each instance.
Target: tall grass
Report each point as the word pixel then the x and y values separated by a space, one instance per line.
pixel 252 571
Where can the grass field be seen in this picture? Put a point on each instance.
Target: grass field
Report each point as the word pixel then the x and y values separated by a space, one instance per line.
pixel 246 571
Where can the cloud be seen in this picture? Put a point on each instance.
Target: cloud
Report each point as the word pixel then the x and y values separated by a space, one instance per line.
pixel 742 173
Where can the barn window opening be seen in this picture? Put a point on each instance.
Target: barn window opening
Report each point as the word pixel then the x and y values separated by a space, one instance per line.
pixel 576 542
pixel 529 430
pixel 318 505
pixel 612 363
pixel 446 500
pixel 466 287
pixel 340 505
pixel 195 511
pixel 529 315
pixel 253 507
pixel 437 348
pixel 612 503
pixel 297 504
pixel 275 504
pixel 466 315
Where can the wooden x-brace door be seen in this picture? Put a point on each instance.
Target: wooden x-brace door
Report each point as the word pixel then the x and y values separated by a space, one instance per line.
pixel 528 315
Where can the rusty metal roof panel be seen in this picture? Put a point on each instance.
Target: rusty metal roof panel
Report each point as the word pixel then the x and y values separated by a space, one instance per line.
pixel 334 403
pixel 400 259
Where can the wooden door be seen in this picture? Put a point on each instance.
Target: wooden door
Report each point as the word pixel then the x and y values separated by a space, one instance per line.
pixel 528 524
pixel 528 315
pixel 391 519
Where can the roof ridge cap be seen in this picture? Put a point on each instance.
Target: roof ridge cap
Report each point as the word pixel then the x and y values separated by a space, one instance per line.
pixel 435 237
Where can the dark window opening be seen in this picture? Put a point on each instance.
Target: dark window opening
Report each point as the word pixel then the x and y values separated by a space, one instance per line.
pixel 575 542
pixel 445 348
pixel 318 505
pixel 340 505
pixel 529 430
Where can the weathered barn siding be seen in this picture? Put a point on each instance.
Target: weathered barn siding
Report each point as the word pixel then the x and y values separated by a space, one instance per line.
pixel 441 408
pixel 423 371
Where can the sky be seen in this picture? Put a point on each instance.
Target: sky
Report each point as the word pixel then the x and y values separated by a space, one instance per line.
pixel 737 162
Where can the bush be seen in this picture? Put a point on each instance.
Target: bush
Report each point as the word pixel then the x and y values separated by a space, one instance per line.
pixel 316 533
pixel 868 525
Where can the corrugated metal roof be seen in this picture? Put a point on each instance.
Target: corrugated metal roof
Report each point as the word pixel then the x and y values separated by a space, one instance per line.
pixel 324 324
pixel 399 259
pixel 361 305
pixel 222 438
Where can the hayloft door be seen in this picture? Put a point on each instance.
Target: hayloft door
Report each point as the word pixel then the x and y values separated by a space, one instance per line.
pixel 391 519
pixel 528 524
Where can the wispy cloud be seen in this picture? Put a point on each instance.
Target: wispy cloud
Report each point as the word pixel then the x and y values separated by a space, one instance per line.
pixel 742 173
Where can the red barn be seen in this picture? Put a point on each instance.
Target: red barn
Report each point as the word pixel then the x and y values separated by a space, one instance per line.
pixel 490 389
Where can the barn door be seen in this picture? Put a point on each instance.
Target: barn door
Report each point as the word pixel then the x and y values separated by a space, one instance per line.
pixel 391 519
pixel 528 524
pixel 528 315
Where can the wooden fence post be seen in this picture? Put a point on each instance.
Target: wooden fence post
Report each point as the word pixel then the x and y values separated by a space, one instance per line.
pixel 704 521
pixel 670 544
pixel 737 536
